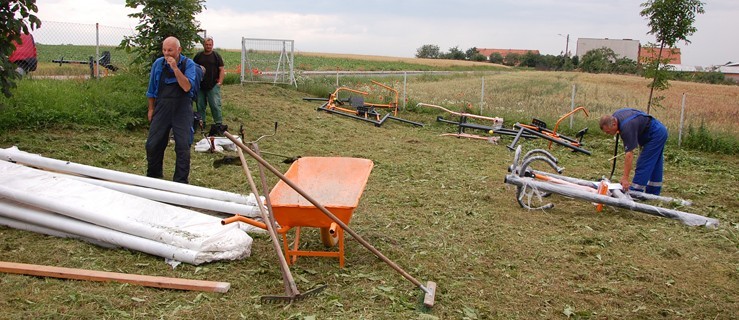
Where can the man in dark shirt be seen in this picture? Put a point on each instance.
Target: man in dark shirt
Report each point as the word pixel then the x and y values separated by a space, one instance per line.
pixel 637 128
pixel 210 87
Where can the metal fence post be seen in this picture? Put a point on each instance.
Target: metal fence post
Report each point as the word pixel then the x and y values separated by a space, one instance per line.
pixel 680 129
pixel 405 87
pixel 482 95
pixel 97 50
pixel 572 102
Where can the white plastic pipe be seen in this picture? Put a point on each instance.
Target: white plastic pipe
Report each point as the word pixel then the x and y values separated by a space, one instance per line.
pixel 14 155
pixel 80 228
pixel 247 210
pixel 20 225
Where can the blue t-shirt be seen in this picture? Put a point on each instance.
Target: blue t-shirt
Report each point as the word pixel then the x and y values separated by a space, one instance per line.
pixel 630 129
pixel 156 72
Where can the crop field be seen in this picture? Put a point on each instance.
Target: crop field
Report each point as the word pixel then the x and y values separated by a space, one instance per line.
pixel 437 206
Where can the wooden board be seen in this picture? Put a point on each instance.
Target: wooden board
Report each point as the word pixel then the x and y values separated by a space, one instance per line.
pixel 92 275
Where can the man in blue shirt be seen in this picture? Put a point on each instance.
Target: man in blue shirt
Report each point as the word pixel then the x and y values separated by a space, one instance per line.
pixel 637 128
pixel 170 108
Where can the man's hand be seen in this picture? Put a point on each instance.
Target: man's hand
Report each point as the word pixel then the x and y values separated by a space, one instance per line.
pixel 172 62
pixel 625 183
pixel 150 114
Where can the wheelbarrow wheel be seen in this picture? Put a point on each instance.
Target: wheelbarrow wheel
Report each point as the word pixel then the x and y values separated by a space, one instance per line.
pixel 327 238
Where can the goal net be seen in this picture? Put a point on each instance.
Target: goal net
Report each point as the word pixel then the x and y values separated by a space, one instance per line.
pixel 267 60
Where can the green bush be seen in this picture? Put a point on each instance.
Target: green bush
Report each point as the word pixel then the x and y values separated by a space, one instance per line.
pixel 118 101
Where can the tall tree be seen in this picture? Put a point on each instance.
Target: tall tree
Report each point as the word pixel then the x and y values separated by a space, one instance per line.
pixel 670 21
pixel 158 20
pixel 16 17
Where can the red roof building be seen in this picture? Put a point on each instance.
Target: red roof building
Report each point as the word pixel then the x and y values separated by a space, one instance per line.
pixel 673 54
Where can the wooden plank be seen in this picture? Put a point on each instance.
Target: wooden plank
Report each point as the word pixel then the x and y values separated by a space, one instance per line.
pixel 92 275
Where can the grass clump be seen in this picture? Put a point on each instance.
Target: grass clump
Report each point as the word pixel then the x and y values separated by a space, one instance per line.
pixel 704 140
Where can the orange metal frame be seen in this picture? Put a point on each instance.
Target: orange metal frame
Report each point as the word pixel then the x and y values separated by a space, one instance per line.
pixel 553 133
pixel 334 102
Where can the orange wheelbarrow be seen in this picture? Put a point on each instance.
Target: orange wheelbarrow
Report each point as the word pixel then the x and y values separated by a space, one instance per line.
pixel 332 179
pixel 335 182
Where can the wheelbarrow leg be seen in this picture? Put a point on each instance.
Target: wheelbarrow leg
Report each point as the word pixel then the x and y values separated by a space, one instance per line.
pixel 296 244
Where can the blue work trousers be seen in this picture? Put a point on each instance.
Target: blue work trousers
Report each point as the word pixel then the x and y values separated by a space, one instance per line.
pixel 650 164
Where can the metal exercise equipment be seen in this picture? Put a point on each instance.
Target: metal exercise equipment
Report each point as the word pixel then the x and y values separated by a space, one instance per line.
pixel 496 126
pixel 532 186
pixel 359 109
pixel 104 62
pixel 539 128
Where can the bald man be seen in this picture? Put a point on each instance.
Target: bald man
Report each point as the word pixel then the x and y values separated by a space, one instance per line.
pixel 170 108
pixel 638 129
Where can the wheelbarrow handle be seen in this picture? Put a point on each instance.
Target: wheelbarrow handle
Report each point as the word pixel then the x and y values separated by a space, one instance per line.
pixel 241 218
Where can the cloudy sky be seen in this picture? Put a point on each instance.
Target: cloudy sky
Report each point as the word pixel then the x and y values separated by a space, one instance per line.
pixel 399 27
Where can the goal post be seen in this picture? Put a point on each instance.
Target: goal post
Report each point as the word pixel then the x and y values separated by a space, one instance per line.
pixel 267 61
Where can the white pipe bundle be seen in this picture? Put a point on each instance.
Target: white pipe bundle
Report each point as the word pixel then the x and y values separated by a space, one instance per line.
pixel 55 203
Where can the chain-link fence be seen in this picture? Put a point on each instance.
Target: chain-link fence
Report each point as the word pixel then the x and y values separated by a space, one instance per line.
pixel 79 50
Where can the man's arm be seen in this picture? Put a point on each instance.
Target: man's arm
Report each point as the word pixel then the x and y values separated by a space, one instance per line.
pixel 152 102
pixel 181 78
pixel 221 69
pixel 221 75
pixel 628 161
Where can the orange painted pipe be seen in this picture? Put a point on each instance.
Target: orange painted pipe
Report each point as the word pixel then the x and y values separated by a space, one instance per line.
pixel 332 229
pixel 252 222
pixel 556 125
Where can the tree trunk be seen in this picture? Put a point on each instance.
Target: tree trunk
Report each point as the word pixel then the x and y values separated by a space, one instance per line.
pixel 656 74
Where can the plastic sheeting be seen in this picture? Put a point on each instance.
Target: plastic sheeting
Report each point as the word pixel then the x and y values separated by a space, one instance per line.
pixel 36 197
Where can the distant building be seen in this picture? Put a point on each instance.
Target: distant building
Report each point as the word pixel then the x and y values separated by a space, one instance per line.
pixel 730 71
pixel 621 47
pixel 673 54
pixel 503 52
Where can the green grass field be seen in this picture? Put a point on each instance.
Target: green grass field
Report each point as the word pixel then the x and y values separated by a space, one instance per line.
pixel 437 206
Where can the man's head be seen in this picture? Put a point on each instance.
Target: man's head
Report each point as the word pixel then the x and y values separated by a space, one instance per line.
pixel 208 45
pixel 171 47
pixel 609 124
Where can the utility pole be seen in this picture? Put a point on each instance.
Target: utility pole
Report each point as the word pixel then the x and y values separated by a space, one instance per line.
pixel 567 45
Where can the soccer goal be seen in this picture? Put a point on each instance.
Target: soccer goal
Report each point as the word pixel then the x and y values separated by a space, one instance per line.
pixel 267 60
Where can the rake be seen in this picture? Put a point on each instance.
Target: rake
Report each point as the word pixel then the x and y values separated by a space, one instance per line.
pixel 291 290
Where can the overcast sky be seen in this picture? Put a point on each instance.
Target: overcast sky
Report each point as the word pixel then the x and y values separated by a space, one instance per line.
pixel 398 28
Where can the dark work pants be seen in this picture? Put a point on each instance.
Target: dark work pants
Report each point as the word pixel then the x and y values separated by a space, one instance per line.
pixel 170 114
